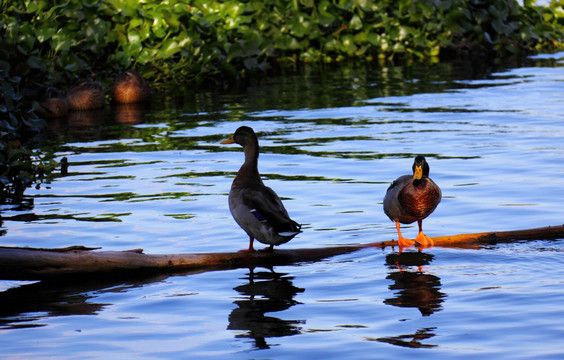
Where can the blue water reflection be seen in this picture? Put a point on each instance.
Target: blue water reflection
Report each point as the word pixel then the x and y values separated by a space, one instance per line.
pixel 157 178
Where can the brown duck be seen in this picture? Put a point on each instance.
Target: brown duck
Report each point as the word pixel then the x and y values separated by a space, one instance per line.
pixel 52 104
pixel 130 87
pixel 85 95
pixel 412 198
pixel 255 207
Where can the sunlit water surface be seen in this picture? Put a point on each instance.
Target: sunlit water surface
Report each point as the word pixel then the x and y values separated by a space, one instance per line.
pixel 158 179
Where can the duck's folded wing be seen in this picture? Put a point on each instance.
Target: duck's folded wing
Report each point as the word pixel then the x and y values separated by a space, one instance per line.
pixel 266 206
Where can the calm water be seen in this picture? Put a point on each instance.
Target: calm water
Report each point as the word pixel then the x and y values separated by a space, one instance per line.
pixel 158 179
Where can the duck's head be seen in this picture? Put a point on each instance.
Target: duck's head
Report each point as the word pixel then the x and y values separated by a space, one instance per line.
pixel 420 168
pixel 244 136
pixel 133 75
pixel 50 92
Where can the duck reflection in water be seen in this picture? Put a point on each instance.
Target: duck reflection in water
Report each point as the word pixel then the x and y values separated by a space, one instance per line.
pixel 85 125
pixel 414 288
pixel 410 340
pixel 265 292
pixel 130 113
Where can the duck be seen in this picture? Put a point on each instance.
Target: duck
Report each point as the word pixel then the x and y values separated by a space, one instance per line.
pixel 412 198
pixel 256 208
pixel 51 103
pixel 130 87
pixel 85 95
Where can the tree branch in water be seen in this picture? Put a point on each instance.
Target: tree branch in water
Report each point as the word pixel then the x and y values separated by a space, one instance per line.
pixel 38 264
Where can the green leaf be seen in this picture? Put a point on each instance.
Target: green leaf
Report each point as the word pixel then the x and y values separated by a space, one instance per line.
pixel 135 24
pixel 31 6
pixel 355 23
pixel 287 42
pixel 169 48
pixel 45 33
pixel 133 37
pixel 160 33
pixel 373 38
pixel 132 49
pixel 34 62
pixel 299 25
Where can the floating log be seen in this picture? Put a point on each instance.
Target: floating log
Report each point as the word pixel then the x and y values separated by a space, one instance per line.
pixel 75 261
pixel 492 237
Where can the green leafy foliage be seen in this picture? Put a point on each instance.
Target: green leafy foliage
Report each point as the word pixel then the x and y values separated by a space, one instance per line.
pixel 19 166
pixel 193 40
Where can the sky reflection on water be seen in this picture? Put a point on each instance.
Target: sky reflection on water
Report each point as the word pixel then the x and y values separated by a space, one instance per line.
pixel 157 178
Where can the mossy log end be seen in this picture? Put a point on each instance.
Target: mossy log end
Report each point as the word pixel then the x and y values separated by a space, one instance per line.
pixel 76 261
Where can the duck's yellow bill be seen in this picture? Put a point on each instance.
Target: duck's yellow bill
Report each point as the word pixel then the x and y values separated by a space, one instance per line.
pixel 418 173
pixel 228 141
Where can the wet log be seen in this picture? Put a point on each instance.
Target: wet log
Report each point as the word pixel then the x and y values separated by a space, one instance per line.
pixel 76 261
pixel 493 237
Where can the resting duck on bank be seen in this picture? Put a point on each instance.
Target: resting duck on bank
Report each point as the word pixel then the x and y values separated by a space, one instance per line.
pixel 412 198
pixel 86 95
pixel 52 104
pixel 130 87
pixel 255 207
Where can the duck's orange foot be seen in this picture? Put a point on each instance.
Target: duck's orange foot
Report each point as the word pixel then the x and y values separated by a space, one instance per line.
pixel 404 242
pixel 251 248
pixel 246 251
pixel 423 240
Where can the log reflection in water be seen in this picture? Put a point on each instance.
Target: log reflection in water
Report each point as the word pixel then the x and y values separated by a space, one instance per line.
pixel 26 305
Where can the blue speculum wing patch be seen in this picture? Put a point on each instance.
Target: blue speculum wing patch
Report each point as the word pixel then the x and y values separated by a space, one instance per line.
pixel 258 215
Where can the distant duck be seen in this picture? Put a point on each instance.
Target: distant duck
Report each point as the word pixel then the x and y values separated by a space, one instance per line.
pixel 412 198
pixel 130 87
pixel 52 104
pixel 85 95
pixel 255 207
